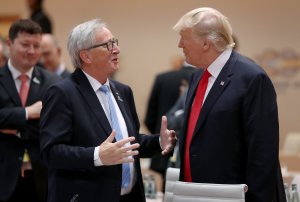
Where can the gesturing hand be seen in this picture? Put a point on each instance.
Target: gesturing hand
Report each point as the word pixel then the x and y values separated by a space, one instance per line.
pixel 118 152
pixel 34 110
pixel 168 137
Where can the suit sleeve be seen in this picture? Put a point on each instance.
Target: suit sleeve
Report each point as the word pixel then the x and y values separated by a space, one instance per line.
pixel 56 134
pixel 12 118
pixel 260 120
pixel 152 108
pixel 149 143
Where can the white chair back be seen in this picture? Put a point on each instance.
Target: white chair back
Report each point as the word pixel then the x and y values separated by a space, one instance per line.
pixel 202 192
pixel 172 176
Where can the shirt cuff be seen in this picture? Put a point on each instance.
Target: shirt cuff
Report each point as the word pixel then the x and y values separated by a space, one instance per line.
pixel 97 160
pixel 160 144
pixel 26 114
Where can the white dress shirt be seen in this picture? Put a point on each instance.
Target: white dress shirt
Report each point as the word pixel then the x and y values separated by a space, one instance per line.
pixel 15 75
pixel 215 68
pixel 97 161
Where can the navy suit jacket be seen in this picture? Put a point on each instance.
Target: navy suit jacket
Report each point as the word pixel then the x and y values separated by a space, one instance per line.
pixel 12 116
pixel 236 138
pixel 73 123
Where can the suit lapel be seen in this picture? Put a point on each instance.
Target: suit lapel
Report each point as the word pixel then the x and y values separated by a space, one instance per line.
pixel 120 101
pixel 9 85
pixel 35 91
pixel 91 99
pixel 220 84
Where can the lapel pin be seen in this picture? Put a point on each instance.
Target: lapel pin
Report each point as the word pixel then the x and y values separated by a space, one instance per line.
pixel 222 83
pixel 119 98
pixel 35 80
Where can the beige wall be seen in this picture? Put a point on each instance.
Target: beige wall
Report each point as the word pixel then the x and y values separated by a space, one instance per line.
pixel 144 29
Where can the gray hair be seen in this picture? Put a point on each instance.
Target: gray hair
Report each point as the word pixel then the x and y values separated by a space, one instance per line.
pixel 210 23
pixel 82 37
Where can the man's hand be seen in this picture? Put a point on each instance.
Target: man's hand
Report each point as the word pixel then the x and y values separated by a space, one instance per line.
pixel 117 153
pixel 9 131
pixel 168 137
pixel 34 110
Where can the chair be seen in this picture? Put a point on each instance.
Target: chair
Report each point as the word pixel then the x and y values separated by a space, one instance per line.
pixel 172 176
pixel 202 192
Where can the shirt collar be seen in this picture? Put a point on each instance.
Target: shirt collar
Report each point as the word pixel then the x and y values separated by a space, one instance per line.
pixel 16 73
pixel 217 65
pixel 61 68
pixel 94 82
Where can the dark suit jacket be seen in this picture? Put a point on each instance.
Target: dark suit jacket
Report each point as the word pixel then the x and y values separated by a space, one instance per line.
pixel 164 94
pixel 65 74
pixel 40 17
pixel 12 116
pixel 236 137
pixel 73 123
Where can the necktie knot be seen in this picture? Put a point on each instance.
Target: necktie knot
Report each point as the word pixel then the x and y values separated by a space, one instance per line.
pixel 24 88
pixel 104 89
pixel 206 74
pixel 23 78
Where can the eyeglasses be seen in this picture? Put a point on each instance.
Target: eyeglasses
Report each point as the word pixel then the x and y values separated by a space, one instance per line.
pixel 109 44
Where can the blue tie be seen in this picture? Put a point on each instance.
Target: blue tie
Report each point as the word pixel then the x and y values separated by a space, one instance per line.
pixel 115 125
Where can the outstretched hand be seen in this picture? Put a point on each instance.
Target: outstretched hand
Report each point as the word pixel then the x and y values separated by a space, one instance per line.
pixel 168 137
pixel 113 153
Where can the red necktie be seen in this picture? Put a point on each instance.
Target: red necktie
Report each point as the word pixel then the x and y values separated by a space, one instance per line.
pixel 194 114
pixel 24 88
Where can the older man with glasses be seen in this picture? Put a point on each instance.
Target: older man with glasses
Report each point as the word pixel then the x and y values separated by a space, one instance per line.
pixel 90 137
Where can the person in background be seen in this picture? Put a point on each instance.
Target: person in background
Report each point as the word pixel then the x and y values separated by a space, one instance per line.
pixel 90 137
pixel 177 62
pixel 38 15
pixel 3 52
pixel 51 56
pixel 230 132
pixel 22 84
pixel 164 93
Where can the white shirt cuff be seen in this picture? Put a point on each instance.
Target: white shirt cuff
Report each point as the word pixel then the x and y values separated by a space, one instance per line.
pixel 26 114
pixel 97 160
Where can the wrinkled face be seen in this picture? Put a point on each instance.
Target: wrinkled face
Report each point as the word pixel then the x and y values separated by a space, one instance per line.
pixel 100 59
pixel 25 50
pixel 191 47
pixel 50 54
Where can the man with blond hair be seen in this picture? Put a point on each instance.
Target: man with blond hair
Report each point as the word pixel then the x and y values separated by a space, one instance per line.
pixel 230 133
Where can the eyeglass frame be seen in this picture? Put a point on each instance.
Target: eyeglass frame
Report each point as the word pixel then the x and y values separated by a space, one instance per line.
pixel 113 41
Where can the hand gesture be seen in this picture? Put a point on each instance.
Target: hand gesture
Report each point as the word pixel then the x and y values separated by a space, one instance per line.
pixel 168 137
pixel 34 110
pixel 8 131
pixel 118 152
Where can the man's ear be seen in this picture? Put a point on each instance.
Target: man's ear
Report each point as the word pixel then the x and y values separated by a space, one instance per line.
pixel 206 44
pixel 85 57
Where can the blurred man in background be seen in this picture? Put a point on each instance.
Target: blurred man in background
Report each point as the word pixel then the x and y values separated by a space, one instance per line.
pixel 51 56
pixel 22 84
pixel 165 92
pixel 3 52
pixel 38 15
